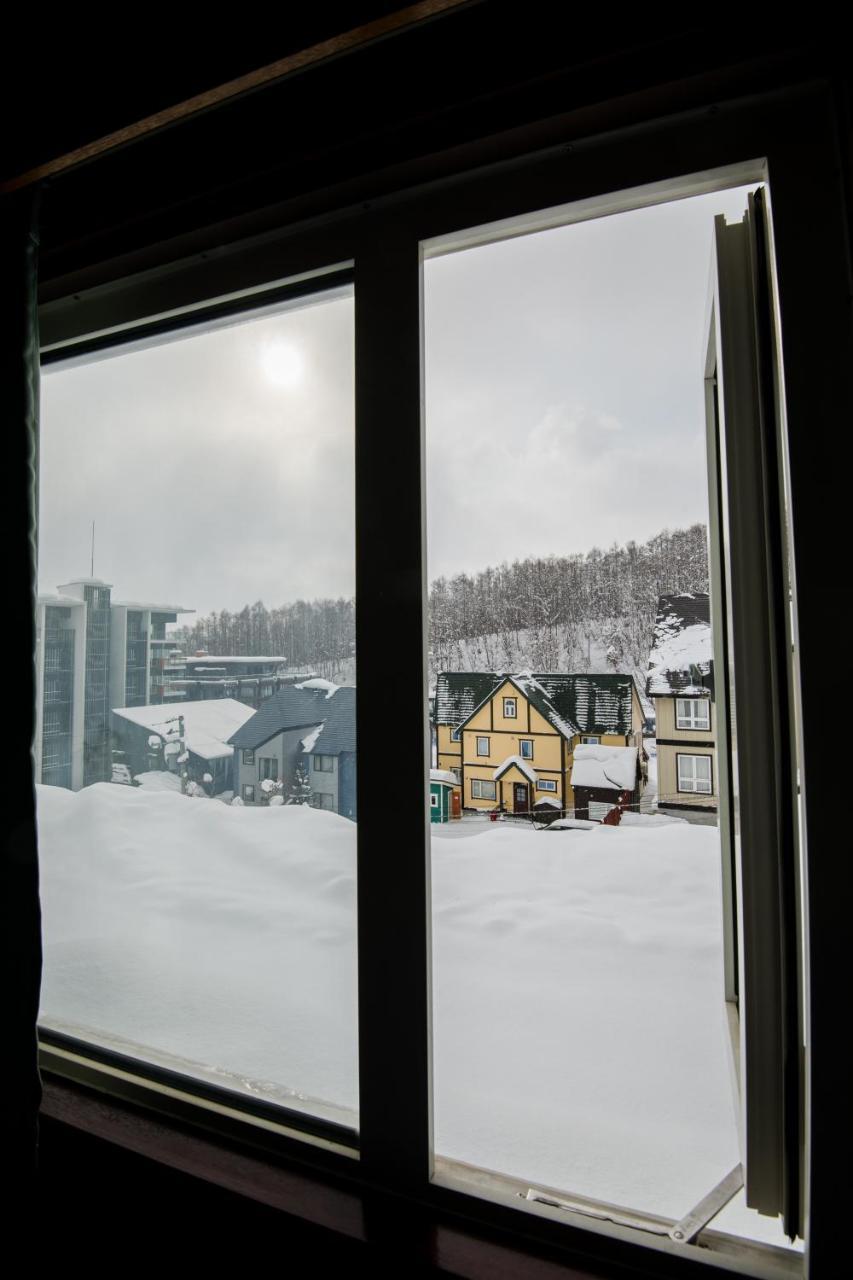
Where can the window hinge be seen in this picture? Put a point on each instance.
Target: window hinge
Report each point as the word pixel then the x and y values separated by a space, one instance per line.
pixel 687 1229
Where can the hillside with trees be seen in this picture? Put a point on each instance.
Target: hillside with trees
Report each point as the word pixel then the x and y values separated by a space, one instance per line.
pixel 580 612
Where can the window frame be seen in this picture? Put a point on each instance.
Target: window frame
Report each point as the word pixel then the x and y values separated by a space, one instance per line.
pixel 480 751
pixel 510 715
pixel 248 756
pixel 694 790
pixel 480 783
pixel 526 742
pixel 395 1141
pixel 691 720
pixel 546 784
pixel 321 763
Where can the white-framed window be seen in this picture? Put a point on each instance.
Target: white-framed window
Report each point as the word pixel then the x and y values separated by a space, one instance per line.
pixel 593 739
pixel 510 708
pixel 482 746
pixel 482 789
pixel 546 784
pixel 526 748
pixel 268 768
pixel 433 800
pixel 694 774
pixel 692 713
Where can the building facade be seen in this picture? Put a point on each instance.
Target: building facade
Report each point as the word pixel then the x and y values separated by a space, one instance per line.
pixel 310 728
pixel 91 655
pixel 681 682
pixel 510 740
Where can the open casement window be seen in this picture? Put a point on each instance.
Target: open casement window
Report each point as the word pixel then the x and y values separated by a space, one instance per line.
pixel 752 594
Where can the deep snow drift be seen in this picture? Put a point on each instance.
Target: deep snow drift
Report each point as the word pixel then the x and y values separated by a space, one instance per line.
pixel 578 1024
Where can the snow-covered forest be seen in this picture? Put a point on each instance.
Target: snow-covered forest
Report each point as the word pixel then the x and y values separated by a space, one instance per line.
pixel 563 613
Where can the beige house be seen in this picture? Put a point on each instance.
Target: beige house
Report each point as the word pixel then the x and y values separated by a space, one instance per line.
pixel 681 683
pixel 510 739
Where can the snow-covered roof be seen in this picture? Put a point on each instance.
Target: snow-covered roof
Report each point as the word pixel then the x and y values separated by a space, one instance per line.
pixel 318 683
pixel 573 703
pixel 65 602
pixel 610 768
pixel 522 765
pixel 154 608
pixel 208 724
pixel 304 708
pixel 217 659
pixel 682 651
pixel 309 742
pixel 443 775
pixel 85 582
pixel 549 801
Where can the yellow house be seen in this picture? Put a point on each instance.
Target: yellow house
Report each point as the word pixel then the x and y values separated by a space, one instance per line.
pixel 510 739
pixel 681 682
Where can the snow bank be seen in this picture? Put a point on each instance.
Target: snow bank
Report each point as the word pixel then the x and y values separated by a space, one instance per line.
pixel 578 1018
pixel 224 935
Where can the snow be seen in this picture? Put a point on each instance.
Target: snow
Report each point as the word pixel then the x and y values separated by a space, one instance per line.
pixel 573 824
pixel 208 724
pixel 522 765
pixel 630 819
pixel 548 800
pixel 678 649
pixel 612 767
pixel 318 683
pixel 207 777
pixel 443 775
pixel 579 1032
pixel 309 742
pixel 156 781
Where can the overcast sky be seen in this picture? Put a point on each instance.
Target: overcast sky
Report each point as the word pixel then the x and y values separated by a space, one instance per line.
pixel 564 410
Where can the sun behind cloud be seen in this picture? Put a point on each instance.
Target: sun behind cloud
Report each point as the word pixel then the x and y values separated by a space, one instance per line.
pixel 282 363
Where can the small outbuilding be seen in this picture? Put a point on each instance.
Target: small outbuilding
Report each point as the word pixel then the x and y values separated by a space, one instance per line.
pixel 605 776
pixel 442 786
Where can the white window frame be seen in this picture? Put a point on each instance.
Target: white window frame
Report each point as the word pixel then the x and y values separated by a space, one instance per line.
pixel 483 751
pixel 513 714
pixel 546 784
pixel 477 785
pixel 688 780
pixel 693 713
pixel 591 739
pixel 522 743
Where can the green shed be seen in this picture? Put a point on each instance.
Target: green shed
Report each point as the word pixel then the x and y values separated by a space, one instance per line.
pixel 441 784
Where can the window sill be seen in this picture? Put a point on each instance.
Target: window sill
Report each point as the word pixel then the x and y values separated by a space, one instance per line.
pixel 406 1236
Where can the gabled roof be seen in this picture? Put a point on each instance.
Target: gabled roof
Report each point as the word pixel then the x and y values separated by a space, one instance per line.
pixel 571 703
pixel 515 762
pixel 681 656
pixel 305 708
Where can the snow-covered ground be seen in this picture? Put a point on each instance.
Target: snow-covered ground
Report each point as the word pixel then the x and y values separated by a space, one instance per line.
pixel 578 1012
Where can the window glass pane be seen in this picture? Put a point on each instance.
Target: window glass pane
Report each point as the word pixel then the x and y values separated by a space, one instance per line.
pixel 196 565
pixel 567 509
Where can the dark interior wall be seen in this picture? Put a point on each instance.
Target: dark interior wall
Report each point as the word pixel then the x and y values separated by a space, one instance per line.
pixel 473 87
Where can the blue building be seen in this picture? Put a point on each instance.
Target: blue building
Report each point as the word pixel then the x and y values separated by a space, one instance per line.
pixel 311 724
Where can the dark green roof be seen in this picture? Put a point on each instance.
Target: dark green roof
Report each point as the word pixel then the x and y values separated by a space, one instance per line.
pixel 572 703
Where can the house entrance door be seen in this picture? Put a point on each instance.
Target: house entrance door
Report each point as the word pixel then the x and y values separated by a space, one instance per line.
pixel 519 793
